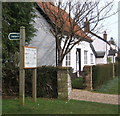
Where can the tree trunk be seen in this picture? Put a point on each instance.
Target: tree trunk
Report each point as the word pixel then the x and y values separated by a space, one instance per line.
pixel 60 57
pixel 60 63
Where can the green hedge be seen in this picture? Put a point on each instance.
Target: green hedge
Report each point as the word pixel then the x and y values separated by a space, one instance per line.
pixel 101 74
pixel 46 82
pixel 117 69
pixel 77 83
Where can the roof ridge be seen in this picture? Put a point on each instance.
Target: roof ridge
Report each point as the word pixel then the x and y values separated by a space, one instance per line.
pixel 53 10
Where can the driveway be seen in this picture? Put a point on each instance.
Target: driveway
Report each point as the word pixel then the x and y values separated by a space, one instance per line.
pixel 94 97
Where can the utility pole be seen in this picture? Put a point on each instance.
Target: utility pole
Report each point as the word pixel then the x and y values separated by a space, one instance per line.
pixel 21 68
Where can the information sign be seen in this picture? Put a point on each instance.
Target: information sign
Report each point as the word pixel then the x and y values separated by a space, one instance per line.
pixel 30 57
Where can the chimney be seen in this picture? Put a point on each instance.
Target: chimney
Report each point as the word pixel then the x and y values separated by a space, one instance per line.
pixel 105 35
pixel 86 25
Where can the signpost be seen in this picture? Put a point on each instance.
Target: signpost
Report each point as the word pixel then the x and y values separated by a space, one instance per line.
pixel 21 69
pixel 14 36
pixel 28 59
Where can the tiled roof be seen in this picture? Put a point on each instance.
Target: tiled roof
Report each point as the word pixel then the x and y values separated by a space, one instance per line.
pixel 63 21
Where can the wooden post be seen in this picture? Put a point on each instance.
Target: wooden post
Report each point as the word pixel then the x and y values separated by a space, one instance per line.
pixel 21 69
pixel 113 68
pixel 34 81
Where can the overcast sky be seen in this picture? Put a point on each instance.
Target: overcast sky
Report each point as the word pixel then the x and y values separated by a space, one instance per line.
pixel 111 24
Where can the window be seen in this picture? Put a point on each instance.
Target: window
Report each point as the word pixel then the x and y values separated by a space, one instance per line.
pixel 91 58
pixel 85 57
pixel 68 59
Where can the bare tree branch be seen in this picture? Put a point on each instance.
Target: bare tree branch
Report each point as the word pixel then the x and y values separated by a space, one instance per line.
pixel 68 20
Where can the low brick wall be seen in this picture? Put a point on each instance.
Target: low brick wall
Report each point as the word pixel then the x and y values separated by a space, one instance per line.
pixel 64 83
pixel 87 77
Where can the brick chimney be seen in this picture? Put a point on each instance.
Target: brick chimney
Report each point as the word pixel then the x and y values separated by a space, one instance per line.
pixel 105 35
pixel 86 25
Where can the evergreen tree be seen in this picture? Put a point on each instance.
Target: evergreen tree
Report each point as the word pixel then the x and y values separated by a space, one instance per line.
pixel 15 14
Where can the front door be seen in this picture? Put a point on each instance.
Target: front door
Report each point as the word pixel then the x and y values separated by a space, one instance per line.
pixel 79 59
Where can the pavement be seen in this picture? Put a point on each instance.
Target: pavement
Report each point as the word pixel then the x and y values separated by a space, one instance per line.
pixel 84 95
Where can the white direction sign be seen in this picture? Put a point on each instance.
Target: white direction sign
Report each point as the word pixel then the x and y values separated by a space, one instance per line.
pixel 14 36
pixel 30 57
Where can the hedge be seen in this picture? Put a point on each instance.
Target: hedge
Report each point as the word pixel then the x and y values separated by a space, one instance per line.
pixel 101 74
pixel 77 83
pixel 117 69
pixel 46 82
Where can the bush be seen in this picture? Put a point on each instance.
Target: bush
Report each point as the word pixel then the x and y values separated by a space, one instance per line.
pixel 10 79
pixel 101 74
pixel 117 69
pixel 118 58
pixel 46 82
pixel 77 83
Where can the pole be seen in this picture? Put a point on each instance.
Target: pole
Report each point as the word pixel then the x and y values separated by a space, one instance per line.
pixel 34 81
pixel 113 68
pixel 21 69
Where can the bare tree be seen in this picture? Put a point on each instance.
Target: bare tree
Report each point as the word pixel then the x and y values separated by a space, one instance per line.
pixel 67 20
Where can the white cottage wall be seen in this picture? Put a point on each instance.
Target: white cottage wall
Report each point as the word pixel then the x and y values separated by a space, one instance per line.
pixel 84 46
pixel 100 45
pixel 44 41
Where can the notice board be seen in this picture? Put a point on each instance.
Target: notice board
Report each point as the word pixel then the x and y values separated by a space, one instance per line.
pixel 30 57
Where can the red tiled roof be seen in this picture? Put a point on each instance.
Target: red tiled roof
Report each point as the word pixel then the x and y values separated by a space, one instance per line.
pixel 53 13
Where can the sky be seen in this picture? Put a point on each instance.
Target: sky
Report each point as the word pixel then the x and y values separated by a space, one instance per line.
pixel 111 24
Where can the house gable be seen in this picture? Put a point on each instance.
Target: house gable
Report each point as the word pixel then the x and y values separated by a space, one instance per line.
pixel 44 41
pixel 60 18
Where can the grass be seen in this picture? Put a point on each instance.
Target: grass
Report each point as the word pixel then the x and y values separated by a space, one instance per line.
pixel 110 87
pixel 55 106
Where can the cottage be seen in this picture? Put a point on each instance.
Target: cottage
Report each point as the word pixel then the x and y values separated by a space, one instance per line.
pixel 104 51
pixel 77 58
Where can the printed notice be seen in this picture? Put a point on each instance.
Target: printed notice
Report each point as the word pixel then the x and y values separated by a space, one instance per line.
pixel 30 57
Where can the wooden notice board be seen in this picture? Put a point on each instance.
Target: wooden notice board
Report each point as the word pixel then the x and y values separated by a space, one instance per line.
pixel 30 57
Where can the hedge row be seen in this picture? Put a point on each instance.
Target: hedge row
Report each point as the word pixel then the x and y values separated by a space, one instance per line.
pixel 117 69
pixel 46 82
pixel 77 83
pixel 101 74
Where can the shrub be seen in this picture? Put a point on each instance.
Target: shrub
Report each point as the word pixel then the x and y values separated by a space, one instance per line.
pixel 118 58
pixel 117 69
pixel 101 74
pixel 77 83
pixel 46 82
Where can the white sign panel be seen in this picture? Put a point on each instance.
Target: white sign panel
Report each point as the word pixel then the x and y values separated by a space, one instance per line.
pixel 30 57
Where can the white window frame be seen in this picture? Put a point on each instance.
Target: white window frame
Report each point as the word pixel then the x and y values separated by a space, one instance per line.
pixel 91 58
pixel 68 60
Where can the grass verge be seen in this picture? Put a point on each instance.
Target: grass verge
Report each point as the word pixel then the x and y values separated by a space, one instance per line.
pixel 110 87
pixel 55 106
